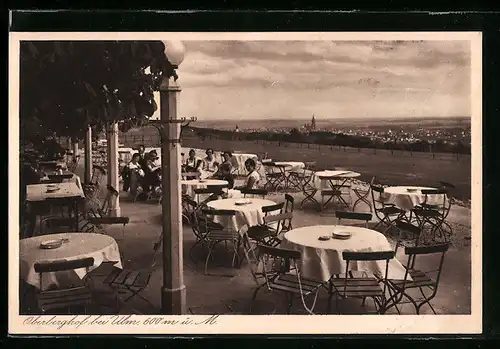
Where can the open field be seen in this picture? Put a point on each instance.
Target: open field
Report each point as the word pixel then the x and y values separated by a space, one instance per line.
pixel 399 168
pixel 392 168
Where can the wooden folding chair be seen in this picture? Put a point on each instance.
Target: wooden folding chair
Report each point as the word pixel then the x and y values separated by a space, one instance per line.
pixel 76 294
pixel 363 196
pixel 355 216
pixel 215 236
pixel 296 178
pixel 386 213
pixel 434 215
pixel 282 274
pixel 421 280
pixel 254 192
pixel 344 286
pixel 99 215
pixel 132 280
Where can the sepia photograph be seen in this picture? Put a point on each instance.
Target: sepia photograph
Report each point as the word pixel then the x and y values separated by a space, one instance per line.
pixel 205 175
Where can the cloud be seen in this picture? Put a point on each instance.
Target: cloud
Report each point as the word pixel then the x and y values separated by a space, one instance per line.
pixel 255 79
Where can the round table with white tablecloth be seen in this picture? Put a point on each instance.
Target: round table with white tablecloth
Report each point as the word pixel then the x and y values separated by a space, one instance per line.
pixel 407 197
pixel 101 247
pixel 291 165
pixel 319 183
pixel 320 260
pixel 250 214
pixel 189 185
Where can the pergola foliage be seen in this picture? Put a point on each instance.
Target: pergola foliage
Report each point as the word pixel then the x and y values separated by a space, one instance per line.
pixel 65 86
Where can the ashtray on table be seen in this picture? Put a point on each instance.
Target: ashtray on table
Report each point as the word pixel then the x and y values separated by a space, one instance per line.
pixel 51 244
pixel 411 190
pixel 324 238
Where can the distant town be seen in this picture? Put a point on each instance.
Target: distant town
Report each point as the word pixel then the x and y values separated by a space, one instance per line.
pixel 384 133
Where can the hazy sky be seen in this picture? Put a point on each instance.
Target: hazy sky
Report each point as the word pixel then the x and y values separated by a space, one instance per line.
pixel 331 79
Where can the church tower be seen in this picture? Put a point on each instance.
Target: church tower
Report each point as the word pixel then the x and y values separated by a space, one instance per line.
pixel 313 123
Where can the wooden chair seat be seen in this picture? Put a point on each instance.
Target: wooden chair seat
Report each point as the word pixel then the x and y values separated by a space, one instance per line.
pixel 427 213
pixel 259 232
pixel 128 278
pixel 419 279
pixel 390 210
pixel 289 283
pixel 357 287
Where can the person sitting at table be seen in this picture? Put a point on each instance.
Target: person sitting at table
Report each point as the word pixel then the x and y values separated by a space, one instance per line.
pixel 226 169
pixel 132 166
pixel 142 156
pixel 253 177
pixel 210 165
pixel 193 163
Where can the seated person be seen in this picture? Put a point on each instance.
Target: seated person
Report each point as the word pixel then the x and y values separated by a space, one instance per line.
pixel 192 164
pixel 151 172
pixel 253 177
pixel 128 171
pixel 210 165
pixel 225 169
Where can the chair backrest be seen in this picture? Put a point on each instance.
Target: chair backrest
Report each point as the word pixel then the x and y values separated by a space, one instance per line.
pixel 289 203
pixel 365 217
pixel 259 192
pixel 191 175
pixel 413 252
pixel 272 218
pixel 272 208
pixel 63 225
pixel 213 212
pixel 61 265
pixel 106 204
pixel 374 256
pixel 377 191
pixel 406 227
pixel 198 191
pixel 97 173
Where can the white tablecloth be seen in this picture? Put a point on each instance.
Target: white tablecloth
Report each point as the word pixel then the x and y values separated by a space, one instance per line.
pixel 189 185
pixel 402 198
pixel 320 184
pixel 81 245
pixel 38 192
pixel 250 214
pixel 322 259
pixel 291 165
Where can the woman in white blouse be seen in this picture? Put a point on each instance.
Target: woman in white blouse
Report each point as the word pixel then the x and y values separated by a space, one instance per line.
pixel 253 177
pixel 193 163
pixel 210 165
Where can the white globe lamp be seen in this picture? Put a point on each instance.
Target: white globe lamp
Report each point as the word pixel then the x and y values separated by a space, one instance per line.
pixel 174 50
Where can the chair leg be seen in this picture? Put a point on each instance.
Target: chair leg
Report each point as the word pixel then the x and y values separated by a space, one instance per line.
pixel 254 297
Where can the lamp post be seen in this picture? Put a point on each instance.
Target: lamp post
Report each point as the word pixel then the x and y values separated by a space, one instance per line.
pixel 173 293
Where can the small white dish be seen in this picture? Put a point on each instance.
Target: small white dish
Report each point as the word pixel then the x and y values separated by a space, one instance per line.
pixel 342 235
pixel 242 202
